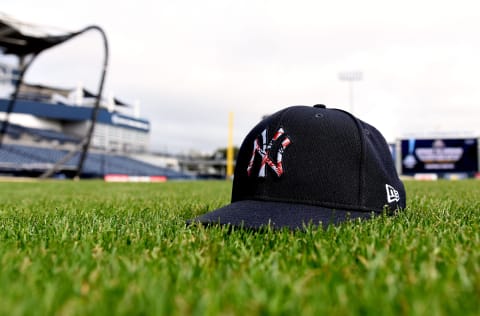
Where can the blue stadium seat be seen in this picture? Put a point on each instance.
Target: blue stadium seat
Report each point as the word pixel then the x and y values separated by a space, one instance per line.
pixel 96 164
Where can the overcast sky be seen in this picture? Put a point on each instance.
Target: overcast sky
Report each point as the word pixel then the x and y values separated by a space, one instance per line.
pixel 190 63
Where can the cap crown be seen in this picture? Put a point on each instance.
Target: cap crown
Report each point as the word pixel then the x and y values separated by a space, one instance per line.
pixel 317 156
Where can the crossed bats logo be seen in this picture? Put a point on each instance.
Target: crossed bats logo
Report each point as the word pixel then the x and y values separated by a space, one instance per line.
pixel 263 150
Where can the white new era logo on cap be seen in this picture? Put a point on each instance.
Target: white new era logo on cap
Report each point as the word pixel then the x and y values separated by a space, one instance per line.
pixel 392 194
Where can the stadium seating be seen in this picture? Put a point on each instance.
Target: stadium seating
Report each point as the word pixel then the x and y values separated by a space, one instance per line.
pixel 16 131
pixel 30 158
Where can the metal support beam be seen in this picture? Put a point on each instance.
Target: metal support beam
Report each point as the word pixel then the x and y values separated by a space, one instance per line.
pixel 93 118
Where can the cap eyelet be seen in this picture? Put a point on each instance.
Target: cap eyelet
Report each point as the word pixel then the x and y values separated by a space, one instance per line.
pixel 319 115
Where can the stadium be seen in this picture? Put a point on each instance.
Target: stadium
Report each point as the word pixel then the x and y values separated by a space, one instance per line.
pixel 41 133
pixel 94 222
pixel 44 129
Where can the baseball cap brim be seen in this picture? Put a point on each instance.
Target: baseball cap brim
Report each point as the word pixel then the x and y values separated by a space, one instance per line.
pixel 260 214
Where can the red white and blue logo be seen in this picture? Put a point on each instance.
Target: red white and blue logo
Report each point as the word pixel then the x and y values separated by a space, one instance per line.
pixel 264 150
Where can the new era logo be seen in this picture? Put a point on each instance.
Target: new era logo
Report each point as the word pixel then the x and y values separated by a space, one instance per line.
pixel 264 149
pixel 392 194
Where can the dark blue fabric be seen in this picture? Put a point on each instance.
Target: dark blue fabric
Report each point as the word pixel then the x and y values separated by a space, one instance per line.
pixel 258 214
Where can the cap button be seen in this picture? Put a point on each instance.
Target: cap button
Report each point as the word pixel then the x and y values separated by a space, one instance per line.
pixel 322 106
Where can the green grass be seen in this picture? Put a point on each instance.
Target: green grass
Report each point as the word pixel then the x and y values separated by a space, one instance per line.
pixel 92 248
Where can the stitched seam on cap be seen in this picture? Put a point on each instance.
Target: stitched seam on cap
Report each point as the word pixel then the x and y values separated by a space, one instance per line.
pixel 363 161
pixel 361 195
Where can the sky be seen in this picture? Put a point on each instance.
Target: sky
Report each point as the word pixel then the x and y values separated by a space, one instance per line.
pixel 189 63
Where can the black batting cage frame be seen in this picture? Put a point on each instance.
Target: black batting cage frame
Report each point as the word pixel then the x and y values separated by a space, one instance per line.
pixel 14 40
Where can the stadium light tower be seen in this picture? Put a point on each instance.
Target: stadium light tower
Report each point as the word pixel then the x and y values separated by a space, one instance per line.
pixel 350 77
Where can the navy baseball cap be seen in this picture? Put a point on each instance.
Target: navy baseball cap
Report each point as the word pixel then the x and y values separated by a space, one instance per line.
pixel 310 166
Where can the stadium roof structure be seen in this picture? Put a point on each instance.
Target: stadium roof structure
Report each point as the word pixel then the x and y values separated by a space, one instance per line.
pixel 26 41
pixel 117 101
pixel 21 39
pixel 66 91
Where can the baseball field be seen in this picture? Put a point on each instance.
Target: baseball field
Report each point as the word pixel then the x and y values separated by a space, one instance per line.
pixel 95 248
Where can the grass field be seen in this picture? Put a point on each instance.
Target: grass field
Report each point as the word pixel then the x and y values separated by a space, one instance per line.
pixel 92 248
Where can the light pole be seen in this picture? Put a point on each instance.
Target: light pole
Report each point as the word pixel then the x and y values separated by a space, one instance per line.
pixel 350 77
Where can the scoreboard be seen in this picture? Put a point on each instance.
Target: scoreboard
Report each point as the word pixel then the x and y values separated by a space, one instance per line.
pixel 449 155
